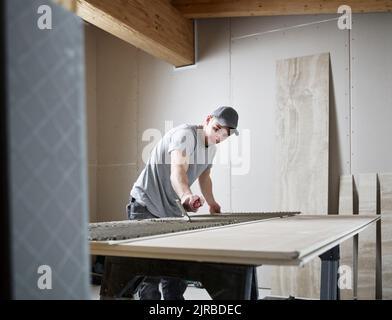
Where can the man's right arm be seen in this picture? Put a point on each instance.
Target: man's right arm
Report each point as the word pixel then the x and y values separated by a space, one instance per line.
pixel 180 183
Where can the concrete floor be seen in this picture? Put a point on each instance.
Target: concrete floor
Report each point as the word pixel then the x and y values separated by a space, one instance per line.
pixel 191 293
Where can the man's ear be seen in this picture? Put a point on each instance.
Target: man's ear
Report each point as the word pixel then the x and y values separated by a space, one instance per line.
pixel 209 119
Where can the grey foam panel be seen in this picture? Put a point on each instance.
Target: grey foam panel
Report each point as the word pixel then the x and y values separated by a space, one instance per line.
pixel 46 152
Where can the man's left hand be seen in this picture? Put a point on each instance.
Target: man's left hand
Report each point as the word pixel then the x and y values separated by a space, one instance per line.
pixel 215 208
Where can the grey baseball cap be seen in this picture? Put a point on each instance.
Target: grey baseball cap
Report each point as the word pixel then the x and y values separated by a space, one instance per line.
pixel 227 117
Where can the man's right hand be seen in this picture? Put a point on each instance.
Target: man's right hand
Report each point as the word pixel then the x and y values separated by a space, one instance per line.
pixel 191 202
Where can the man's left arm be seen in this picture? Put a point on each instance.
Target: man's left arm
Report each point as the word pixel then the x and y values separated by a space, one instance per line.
pixel 206 189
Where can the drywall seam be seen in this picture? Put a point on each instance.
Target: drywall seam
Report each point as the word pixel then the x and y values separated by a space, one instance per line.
pixel 350 96
pixel 282 29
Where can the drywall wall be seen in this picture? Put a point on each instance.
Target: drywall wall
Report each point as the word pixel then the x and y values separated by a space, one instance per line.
pixel 116 124
pixel 240 71
pixel 111 85
pixel 371 72
pixel 256 46
pixel 131 105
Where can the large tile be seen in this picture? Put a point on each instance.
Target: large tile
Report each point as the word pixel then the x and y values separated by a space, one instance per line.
pixel 346 207
pixel 301 166
pixel 366 186
pixel 346 195
pixel 264 277
pixel 386 232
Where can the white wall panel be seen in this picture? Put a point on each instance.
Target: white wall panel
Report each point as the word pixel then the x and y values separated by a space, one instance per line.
pixel 253 90
pixel 372 93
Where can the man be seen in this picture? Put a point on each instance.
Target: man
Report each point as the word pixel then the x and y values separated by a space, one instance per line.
pixel 183 155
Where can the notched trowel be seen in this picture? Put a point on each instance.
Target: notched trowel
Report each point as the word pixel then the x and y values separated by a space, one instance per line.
pixel 183 211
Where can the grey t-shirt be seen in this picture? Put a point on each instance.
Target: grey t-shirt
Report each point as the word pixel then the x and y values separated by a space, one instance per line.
pixel 153 187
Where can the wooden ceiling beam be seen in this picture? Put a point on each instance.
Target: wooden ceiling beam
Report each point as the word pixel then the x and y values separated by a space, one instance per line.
pixel 67 4
pixel 154 26
pixel 244 8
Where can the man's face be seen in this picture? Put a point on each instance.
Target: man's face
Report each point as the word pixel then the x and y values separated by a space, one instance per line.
pixel 214 132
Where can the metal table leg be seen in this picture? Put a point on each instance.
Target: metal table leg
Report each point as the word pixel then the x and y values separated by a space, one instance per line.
pixel 355 267
pixel 254 295
pixel 329 274
pixel 378 261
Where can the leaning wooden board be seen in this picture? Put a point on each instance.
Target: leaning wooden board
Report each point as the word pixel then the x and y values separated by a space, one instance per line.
pixel 280 241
